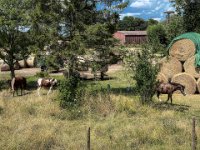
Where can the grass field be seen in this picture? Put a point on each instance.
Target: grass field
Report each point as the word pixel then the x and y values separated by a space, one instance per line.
pixel 117 122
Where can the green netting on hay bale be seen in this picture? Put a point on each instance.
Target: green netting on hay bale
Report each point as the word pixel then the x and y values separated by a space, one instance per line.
pixel 186 46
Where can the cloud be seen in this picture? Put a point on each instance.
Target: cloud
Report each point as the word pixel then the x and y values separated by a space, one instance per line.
pixel 158 19
pixel 141 4
pixel 129 14
pixel 147 9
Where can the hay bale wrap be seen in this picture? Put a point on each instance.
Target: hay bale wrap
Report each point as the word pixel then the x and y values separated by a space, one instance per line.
pixel 190 68
pixel 31 61
pixel 161 78
pixel 170 66
pixel 198 85
pixel 5 67
pixel 186 46
pixel 187 80
pixel 22 64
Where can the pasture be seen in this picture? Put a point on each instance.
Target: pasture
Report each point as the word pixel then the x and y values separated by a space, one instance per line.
pixel 117 121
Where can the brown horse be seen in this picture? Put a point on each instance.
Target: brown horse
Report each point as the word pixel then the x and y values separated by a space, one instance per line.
pixel 169 88
pixel 18 82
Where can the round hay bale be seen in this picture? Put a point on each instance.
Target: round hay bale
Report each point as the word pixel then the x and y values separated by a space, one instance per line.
pixel 5 67
pixel 22 64
pixel 182 49
pixel 16 66
pixel 31 61
pixel 1 62
pixel 161 78
pixel 189 67
pixel 198 85
pixel 170 66
pixel 187 80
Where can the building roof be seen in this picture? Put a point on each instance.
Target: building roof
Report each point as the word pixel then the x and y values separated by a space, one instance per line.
pixel 133 32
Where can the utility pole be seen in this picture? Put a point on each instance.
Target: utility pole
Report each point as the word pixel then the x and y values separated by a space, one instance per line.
pixel 168 15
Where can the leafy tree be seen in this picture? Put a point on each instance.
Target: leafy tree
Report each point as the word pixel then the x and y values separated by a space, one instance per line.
pixel 14 41
pixel 157 38
pixel 101 41
pixel 190 10
pixel 151 22
pixel 130 23
pixel 174 27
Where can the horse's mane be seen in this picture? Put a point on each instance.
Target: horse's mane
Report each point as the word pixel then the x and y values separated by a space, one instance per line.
pixel 175 84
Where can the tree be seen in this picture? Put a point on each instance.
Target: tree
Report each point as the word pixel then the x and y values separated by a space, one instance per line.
pixel 100 39
pixel 157 38
pixel 14 41
pixel 130 23
pixel 175 27
pixel 190 10
pixel 151 22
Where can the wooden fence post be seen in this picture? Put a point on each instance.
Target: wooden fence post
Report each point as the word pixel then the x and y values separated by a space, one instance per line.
pixel 88 139
pixel 194 136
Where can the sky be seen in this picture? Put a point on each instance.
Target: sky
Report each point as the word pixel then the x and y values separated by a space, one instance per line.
pixel 147 9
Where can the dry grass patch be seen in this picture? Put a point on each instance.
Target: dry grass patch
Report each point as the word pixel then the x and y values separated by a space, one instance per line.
pixel 121 122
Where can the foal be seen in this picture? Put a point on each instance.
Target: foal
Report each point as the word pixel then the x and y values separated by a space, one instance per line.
pixel 169 88
pixel 18 82
pixel 46 83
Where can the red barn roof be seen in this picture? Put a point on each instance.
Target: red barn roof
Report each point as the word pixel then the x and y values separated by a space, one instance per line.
pixel 133 32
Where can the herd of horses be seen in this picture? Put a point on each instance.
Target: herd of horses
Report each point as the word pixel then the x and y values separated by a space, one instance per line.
pixel 161 88
pixel 20 83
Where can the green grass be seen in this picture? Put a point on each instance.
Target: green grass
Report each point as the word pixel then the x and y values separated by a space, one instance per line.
pixel 119 122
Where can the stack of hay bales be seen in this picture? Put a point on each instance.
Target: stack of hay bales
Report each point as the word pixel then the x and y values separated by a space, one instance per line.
pixel 180 66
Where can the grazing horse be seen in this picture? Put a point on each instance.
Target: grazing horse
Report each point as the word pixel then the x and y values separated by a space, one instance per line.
pixel 18 82
pixel 169 88
pixel 46 83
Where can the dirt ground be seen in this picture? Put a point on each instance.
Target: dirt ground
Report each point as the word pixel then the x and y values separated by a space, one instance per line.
pixel 33 71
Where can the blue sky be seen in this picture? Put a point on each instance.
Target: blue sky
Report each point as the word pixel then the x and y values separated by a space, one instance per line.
pixel 147 9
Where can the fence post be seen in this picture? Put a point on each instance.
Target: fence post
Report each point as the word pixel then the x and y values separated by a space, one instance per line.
pixel 88 139
pixel 108 90
pixel 194 136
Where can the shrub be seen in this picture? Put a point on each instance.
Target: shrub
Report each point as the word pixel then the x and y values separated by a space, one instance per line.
pixel 144 73
pixel 71 92
pixel 42 74
pixel 157 38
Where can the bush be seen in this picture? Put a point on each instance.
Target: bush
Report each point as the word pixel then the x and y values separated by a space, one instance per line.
pixel 144 73
pixel 157 38
pixel 71 92
pixel 42 74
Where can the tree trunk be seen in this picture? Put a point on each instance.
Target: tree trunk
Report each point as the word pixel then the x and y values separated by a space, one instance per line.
pixel 102 75
pixel 12 72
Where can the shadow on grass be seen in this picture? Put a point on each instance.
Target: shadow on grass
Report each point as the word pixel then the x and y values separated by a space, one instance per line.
pixel 168 106
pixel 32 85
pixel 124 91
pixel 98 79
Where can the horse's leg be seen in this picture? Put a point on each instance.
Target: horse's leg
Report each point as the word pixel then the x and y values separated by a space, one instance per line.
pixel 158 94
pixel 38 90
pixel 13 93
pixel 168 97
pixel 49 90
pixel 171 98
pixel 21 91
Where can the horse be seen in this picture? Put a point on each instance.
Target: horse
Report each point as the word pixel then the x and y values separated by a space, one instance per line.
pixel 46 83
pixel 16 83
pixel 169 88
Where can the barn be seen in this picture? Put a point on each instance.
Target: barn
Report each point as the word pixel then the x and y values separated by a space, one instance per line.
pixel 131 37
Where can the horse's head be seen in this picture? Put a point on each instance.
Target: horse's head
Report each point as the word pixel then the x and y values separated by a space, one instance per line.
pixel 181 88
pixel 53 82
